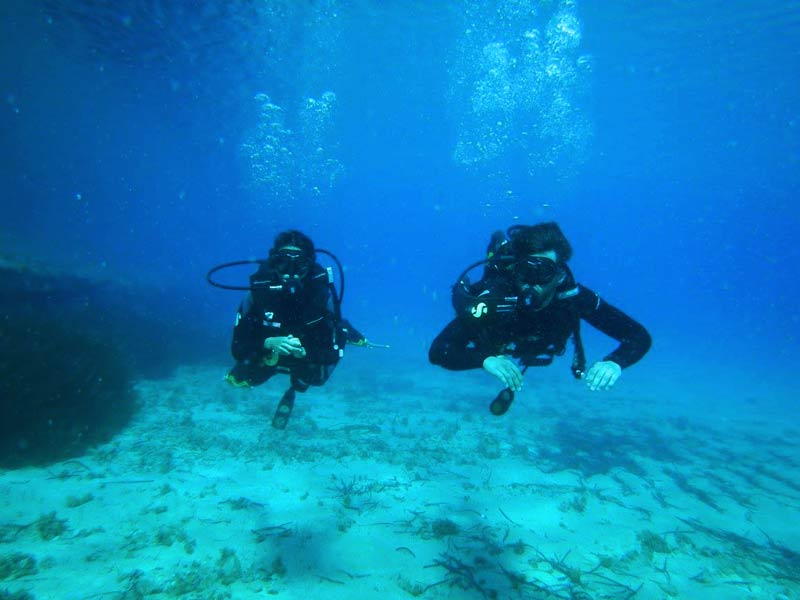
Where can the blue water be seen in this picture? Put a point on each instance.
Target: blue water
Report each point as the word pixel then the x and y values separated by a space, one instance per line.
pixel 663 137
pixel 142 142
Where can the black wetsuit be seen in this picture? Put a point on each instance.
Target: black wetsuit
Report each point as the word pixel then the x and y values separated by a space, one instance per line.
pixel 535 337
pixel 307 312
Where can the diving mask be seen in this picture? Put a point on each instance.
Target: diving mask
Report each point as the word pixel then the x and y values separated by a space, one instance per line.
pixel 290 264
pixel 538 278
pixel 536 270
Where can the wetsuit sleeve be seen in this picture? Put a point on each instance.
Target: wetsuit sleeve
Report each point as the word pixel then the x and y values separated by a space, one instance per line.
pixel 248 340
pixel 455 349
pixel 634 340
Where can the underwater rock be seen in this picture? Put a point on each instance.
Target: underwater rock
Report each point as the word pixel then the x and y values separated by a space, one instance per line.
pixel 64 386
pixel 61 391
pixel 70 344
pixel 144 324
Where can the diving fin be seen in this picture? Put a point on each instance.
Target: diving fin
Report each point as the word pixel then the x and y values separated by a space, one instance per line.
pixel 502 402
pixel 284 409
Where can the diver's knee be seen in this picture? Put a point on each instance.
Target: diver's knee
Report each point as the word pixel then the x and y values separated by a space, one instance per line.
pixel 436 353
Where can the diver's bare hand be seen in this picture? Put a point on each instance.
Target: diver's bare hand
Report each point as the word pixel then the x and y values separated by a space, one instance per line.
pixel 299 352
pixel 285 345
pixel 505 370
pixel 603 375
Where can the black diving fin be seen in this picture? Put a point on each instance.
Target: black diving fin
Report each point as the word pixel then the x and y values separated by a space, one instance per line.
pixel 501 402
pixel 284 409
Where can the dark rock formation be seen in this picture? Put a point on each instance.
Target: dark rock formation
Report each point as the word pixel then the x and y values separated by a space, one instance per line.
pixel 69 346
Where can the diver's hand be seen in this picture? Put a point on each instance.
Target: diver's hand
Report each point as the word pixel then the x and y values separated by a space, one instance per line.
pixel 285 345
pixel 505 370
pixel 603 375
pixel 299 351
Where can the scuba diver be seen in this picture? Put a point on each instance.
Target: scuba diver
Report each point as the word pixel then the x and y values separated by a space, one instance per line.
pixel 523 311
pixel 290 321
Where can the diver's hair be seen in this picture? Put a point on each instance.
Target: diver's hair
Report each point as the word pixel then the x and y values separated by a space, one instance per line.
pixel 292 237
pixel 532 239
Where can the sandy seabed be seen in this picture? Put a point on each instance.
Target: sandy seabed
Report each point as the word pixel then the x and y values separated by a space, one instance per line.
pixel 399 483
